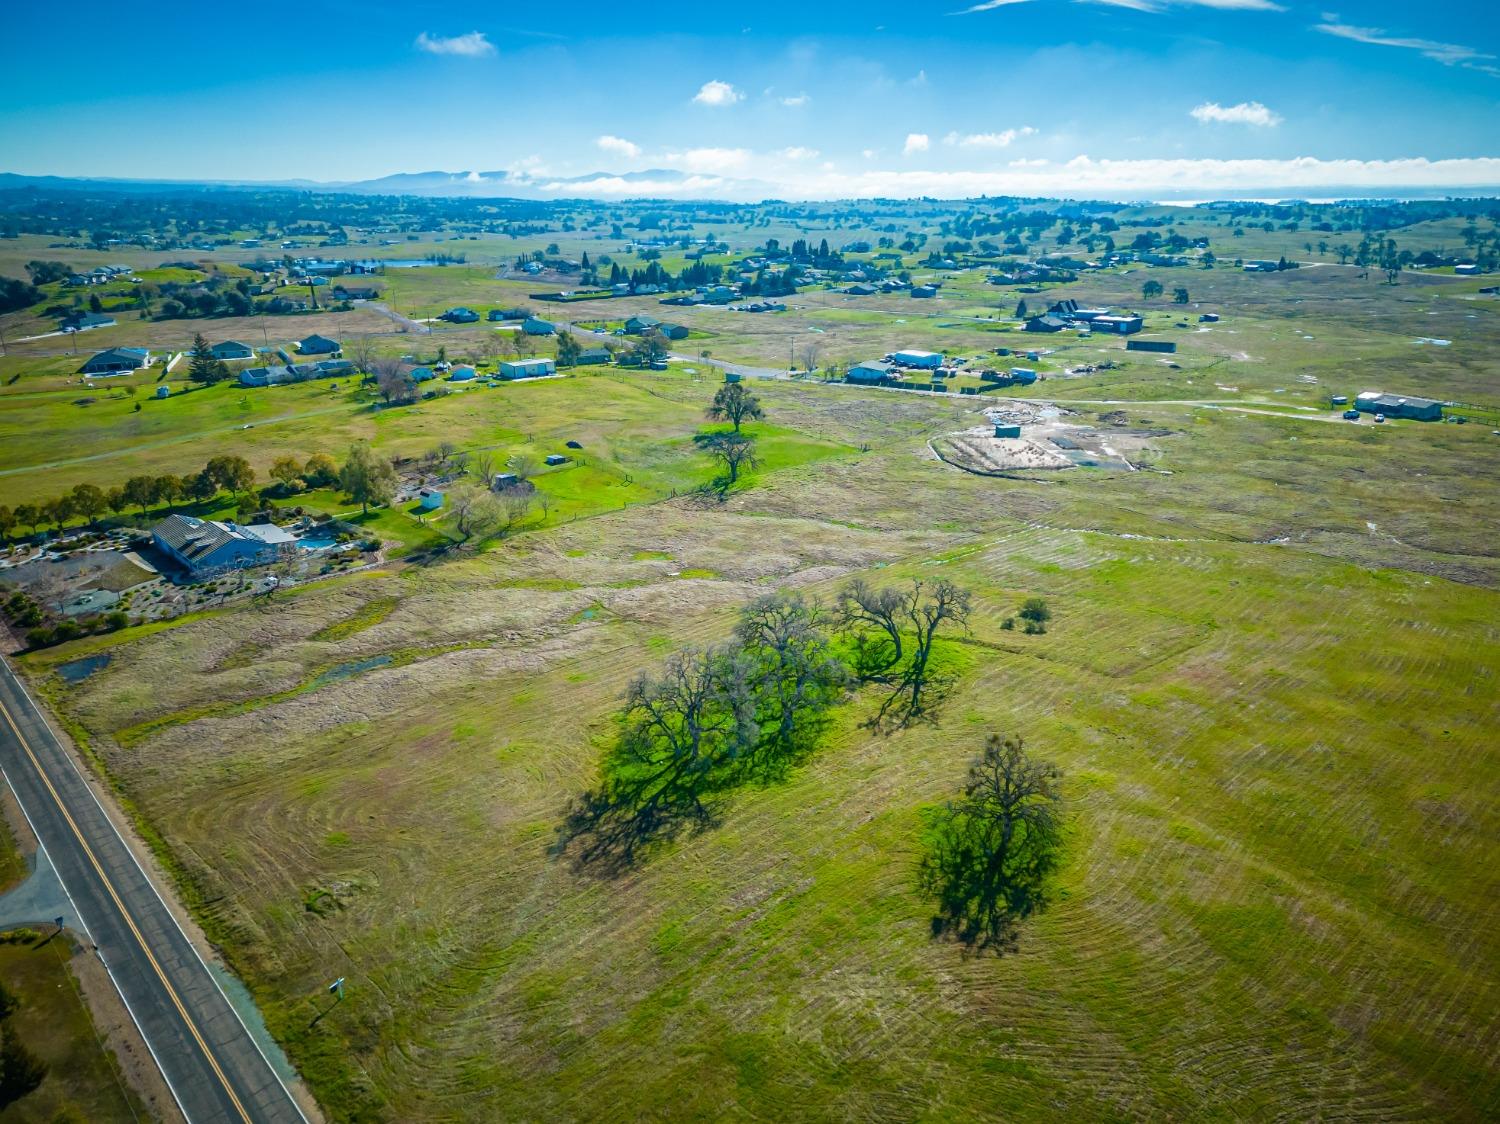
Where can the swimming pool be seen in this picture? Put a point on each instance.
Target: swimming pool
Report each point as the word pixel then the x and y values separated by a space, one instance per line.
pixel 317 543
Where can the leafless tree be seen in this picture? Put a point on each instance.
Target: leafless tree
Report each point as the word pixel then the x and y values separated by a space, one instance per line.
pixel 482 466
pixel 515 505
pixel 474 512
pixel 893 631
pixel 394 381
pixel 809 352
pixel 734 451
pixel 361 352
pixel 524 465
pixel 990 853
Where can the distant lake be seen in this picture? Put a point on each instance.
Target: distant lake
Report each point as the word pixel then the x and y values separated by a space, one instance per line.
pixel 403 263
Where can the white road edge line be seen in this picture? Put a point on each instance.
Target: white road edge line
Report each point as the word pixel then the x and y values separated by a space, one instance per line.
pixel 178 925
pixel 78 913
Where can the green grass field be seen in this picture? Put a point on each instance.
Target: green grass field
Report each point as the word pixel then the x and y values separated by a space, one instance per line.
pixel 1268 680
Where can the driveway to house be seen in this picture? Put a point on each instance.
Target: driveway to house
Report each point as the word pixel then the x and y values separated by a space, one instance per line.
pixel 210 1061
pixel 391 314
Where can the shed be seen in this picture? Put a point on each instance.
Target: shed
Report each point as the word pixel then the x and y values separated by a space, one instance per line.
pixel 556 459
pixel 163 391
pixel 1007 430
pixel 1120 325
pixel 430 499
pixel 527 368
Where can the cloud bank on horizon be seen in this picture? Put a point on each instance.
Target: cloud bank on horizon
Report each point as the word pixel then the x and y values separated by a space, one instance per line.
pixel 851 98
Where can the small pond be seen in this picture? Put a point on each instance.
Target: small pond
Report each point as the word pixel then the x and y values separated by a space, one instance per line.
pixel 345 670
pixel 76 671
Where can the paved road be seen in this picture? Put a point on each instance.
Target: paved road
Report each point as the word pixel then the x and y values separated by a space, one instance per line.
pixel 213 1066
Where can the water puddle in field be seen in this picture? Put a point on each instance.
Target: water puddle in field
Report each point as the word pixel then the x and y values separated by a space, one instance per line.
pixel 345 670
pixel 76 671
pixel 1434 341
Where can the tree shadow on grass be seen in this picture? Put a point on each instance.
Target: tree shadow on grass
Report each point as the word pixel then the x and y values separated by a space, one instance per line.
pixel 611 829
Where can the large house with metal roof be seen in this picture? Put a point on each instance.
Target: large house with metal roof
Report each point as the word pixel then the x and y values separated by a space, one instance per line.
pixel 205 547
pixel 118 360
pixel 1399 406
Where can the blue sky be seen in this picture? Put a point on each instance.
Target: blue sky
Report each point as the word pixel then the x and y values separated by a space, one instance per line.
pixel 802 100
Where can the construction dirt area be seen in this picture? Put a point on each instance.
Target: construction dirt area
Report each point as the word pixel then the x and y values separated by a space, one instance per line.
pixel 1048 441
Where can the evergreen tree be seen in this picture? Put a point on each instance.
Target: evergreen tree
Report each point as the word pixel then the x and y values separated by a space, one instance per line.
pixel 203 365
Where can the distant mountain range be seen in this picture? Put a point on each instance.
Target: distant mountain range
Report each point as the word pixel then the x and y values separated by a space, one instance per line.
pixel 654 183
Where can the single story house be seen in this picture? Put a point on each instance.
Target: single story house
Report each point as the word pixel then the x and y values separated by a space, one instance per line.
pixel 83 321
pixel 592 357
pixel 924 290
pixel 1024 375
pixel 673 331
pixel 421 374
pixel 1151 345
pixel 117 359
pixel 872 372
pixel 319 345
pixel 534 326
pixel 927 360
pixel 1398 406
pixel 430 499
pixel 232 349
pixel 527 368
pixel 462 374
pixel 1120 325
pixel 637 324
pixel 266 376
pixel 460 316
pixel 1466 269
pixel 335 367
pixel 206 547
pixel 1045 324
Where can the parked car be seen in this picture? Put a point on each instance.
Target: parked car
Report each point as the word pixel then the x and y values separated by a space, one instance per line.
pixel 1380 417
pixel 1351 415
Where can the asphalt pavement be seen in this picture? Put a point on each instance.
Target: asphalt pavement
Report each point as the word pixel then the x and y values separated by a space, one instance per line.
pixel 210 1061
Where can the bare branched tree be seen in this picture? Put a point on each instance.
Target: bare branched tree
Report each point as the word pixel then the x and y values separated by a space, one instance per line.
pixel 989 854
pixel 893 631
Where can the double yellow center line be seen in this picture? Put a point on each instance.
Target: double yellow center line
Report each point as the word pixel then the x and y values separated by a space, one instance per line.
pixel 120 905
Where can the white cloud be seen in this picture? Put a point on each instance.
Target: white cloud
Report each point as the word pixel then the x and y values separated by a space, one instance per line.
pixel 988 6
pixel 798 152
pixel 717 93
pixel 1245 113
pixel 718 173
pixel 794 101
pixel 718 161
pixel 917 142
pixel 869 153
pixel 471 46
pixel 619 146
pixel 691 187
pixel 988 140
pixel 1449 54
pixel 1221 5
